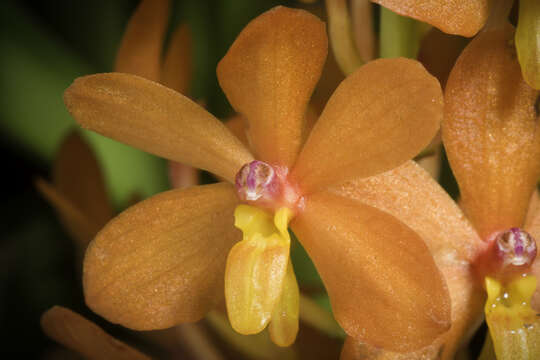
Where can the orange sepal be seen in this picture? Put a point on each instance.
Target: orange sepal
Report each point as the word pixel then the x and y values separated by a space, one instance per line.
pixel 177 67
pixel 76 222
pixel 378 118
pixel 384 286
pixel 490 132
pixel 454 17
pixel 83 336
pixel 412 196
pixel 78 176
pixel 154 118
pixel 161 262
pixel 140 50
pixel 268 77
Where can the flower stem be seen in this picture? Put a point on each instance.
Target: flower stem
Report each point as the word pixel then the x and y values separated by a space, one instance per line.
pixel 399 36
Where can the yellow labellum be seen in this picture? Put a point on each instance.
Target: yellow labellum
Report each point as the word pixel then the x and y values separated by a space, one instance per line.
pixel 259 280
pixel 513 325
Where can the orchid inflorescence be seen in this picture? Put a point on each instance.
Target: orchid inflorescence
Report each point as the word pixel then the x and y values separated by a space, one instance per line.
pixel 409 273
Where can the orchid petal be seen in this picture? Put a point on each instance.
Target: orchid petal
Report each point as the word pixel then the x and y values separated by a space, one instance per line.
pixel 384 286
pixel 490 132
pixel 144 114
pixel 78 176
pixel 161 262
pixel 412 196
pixel 140 50
pixel 269 76
pixel 76 222
pixel 453 17
pixel 177 68
pixel 378 118
pixel 83 336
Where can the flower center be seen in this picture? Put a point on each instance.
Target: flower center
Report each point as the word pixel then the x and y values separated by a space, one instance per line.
pixel 255 180
pixel 509 254
pixel 266 186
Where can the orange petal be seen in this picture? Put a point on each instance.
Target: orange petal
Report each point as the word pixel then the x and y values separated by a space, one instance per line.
pixel 77 176
pixel 161 262
pixel 378 118
pixel 268 77
pixel 76 222
pixel 490 132
pixel 156 119
pixel 453 17
pixel 177 67
pixel 412 196
pixel 384 286
pixel 83 336
pixel 439 52
pixel 140 50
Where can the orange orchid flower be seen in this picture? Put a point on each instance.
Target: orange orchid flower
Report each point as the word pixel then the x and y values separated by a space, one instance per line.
pixel 162 261
pixel 490 132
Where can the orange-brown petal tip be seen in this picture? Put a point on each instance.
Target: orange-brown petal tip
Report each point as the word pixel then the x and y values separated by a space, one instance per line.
pixel 83 336
pixel 140 49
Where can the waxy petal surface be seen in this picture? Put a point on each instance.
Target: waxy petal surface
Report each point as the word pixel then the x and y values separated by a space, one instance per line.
pixel 491 134
pixel 378 118
pixel 83 336
pixel 140 50
pixel 384 286
pixel 460 17
pixel 412 196
pixel 268 77
pixel 154 118
pixel 161 262
pixel 177 66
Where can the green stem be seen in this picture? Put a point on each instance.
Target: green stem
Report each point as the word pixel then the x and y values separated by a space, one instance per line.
pixel 399 36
